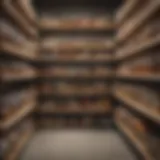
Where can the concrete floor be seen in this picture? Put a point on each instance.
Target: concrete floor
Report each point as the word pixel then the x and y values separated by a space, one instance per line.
pixel 77 145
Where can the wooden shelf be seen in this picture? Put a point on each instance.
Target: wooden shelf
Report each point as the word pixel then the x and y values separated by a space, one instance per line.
pixel 75 97
pixel 134 140
pixel 17 116
pixel 137 50
pixel 25 7
pixel 58 94
pixel 65 46
pixel 78 50
pixel 19 19
pixel 17 51
pixel 78 32
pixel 76 77
pixel 144 78
pixel 125 10
pixel 24 77
pixel 16 150
pixel 127 30
pixel 139 107
pixel 74 62
pixel 74 80
pixel 79 112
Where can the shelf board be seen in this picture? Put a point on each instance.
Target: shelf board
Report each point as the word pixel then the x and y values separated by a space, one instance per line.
pixel 76 112
pixel 126 32
pixel 78 32
pixel 75 94
pixel 8 79
pixel 16 51
pixel 78 50
pixel 125 10
pixel 134 140
pixel 16 150
pixel 74 62
pixel 138 50
pixel 26 8
pixel 60 97
pixel 19 19
pixel 61 46
pixel 137 106
pixel 76 78
pixel 16 117
pixel 144 78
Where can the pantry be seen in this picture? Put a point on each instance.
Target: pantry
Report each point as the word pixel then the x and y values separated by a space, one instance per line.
pixel 79 80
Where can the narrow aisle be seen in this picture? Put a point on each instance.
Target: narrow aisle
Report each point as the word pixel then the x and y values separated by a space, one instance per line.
pixel 77 145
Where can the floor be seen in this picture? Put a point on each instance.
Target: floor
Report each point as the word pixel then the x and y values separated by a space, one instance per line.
pixel 77 145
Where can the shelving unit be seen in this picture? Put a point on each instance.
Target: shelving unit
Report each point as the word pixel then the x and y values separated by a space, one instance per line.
pixel 137 78
pixel 80 61
pixel 60 38
pixel 18 48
